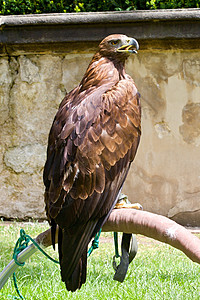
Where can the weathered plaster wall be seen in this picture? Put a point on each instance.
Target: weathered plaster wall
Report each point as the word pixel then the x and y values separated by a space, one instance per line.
pixel 166 174
pixel 165 177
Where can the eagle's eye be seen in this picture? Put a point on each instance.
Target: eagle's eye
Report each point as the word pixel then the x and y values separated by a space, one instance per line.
pixel 114 42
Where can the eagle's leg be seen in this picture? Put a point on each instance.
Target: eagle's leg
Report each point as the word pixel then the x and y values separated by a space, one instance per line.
pixel 123 202
pixel 129 245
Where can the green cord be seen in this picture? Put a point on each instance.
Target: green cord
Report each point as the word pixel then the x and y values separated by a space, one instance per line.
pixel 95 243
pixel 16 288
pixel 22 243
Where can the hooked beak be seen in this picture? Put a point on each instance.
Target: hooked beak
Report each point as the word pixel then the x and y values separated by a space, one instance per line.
pixel 131 47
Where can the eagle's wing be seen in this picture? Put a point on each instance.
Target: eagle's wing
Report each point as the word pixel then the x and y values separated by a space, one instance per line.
pixel 93 139
pixel 86 141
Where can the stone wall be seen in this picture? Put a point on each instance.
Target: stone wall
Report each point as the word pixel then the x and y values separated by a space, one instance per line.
pixel 31 88
pixel 165 177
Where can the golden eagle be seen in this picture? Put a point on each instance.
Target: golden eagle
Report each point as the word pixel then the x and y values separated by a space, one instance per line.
pixel 92 142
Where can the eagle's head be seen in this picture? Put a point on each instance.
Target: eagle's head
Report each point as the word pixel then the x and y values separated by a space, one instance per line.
pixel 119 46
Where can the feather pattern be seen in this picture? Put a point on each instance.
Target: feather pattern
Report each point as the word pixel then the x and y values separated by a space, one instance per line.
pixel 92 141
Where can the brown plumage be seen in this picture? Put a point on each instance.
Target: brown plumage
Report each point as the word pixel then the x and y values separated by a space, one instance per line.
pixel 92 142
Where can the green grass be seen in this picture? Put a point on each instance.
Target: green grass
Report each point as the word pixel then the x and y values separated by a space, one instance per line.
pixel 158 271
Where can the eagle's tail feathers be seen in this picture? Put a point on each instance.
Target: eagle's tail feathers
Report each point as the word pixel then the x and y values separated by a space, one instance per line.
pixel 78 276
pixel 73 254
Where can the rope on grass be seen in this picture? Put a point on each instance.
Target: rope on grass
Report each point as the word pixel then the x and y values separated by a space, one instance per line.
pixel 16 288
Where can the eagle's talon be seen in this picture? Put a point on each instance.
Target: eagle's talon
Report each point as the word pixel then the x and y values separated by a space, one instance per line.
pixel 129 205
pixel 123 202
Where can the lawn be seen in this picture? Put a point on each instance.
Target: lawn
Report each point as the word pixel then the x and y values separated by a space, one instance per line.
pixel 158 271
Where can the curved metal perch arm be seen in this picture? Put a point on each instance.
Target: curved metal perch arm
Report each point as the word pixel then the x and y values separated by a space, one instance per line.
pixel 129 221
pixel 157 227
